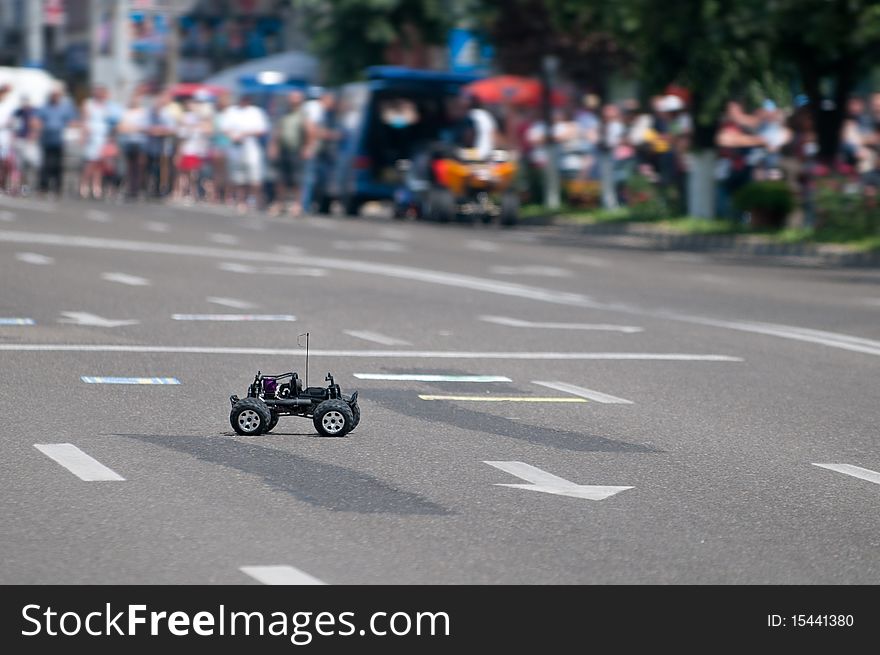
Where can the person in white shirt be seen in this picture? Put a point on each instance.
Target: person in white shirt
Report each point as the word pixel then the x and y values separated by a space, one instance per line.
pixel 485 129
pixel 7 109
pixel 245 124
pixel 192 132
pixel 317 133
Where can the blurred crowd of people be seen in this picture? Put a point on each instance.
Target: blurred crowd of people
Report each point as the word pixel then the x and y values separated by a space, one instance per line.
pixel 209 147
pixel 202 147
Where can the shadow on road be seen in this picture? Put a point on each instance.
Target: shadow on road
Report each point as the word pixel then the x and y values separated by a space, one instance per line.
pixel 326 485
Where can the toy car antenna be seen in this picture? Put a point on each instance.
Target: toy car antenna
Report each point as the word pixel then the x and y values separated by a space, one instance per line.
pixel 306 335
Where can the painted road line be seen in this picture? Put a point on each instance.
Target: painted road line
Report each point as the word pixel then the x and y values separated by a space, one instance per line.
pixel 294 271
pixel 77 462
pixel 376 337
pixel 125 278
pixel 7 216
pixel 427 377
pixel 17 321
pixel 854 471
pixel 515 322
pixel 379 354
pixel 280 575
pixel 98 216
pixel 84 318
pixel 587 260
pixel 224 239
pixel 34 258
pixel 233 317
pixel 539 480
pixel 157 227
pixel 598 396
pixel 230 302
pixel 506 399
pixel 539 271
pixel 117 380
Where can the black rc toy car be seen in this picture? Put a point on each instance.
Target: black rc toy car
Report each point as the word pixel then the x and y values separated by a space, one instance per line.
pixel 271 396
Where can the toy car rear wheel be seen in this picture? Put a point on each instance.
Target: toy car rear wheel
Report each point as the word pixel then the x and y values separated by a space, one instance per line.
pixel 333 418
pixel 250 417
pixel 509 208
pixel 272 423
pixel 441 205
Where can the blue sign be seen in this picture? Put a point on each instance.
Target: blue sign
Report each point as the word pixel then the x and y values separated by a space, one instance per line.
pixel 469 52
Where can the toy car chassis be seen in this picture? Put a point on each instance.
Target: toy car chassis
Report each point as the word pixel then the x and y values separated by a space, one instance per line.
pixel 270 397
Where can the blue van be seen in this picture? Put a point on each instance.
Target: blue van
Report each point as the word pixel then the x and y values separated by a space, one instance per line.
pixel 387 118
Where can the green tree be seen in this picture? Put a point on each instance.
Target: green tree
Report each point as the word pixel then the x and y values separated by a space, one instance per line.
pixel 831 45
pixel 349 35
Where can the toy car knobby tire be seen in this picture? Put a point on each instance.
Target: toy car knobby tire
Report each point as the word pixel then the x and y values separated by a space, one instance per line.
pixel 509 208
pixel 273 421
pixel 250 417
pixel 441 205
pixel 356 415
pixel 333 418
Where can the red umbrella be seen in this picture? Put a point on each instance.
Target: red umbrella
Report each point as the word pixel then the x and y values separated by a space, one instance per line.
pixel 511 89
pixel 189 89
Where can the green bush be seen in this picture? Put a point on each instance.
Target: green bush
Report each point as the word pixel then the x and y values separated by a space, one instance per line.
pixel 643 200
pixel 768 203
pixel 844 212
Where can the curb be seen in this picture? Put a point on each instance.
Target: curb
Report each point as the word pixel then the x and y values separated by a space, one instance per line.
pixel 642 236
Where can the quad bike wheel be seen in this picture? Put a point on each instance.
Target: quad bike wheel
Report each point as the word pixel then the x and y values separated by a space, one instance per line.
pixel 333 418
pixel 250 417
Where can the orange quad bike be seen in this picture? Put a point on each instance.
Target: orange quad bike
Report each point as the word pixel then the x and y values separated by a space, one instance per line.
pixel 468 188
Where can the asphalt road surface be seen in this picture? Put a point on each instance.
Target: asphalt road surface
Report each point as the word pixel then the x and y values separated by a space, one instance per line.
pixel 637 417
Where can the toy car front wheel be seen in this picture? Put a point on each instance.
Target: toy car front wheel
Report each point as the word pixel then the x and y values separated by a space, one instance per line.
pixel 333 418
pixel 250 417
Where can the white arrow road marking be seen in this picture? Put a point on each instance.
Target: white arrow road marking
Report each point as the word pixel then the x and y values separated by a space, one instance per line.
pixel 84 318
pixel 854 471
pixel 17 321
pixel 230 302
pixel 375 337
pixel 224 239
pixel 98 216
pixel 539 480
pixel 157 226
pixel 125 278
pixel 7 216
pixel 280 575
pixel 34 258
pixel 598 396
pixel 233 317
pixel 481 246
pixel 427 377
pixel 516 322
pixel 77 462
pixel 379 354
pixel 541 271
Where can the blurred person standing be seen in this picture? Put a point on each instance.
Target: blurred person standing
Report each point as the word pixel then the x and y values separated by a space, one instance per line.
pixel 245 124
pixel 7 108
pixel 132 130
pixel 193 135
pixel 26 130
pixel 97 124
pixel 612 133
pixel 54 117
pixel 288 143
pixel 160 129
pixel 217 189
pixel 317 134
pixel 485 128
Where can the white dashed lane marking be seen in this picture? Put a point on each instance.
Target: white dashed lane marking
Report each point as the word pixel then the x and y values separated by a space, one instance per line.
pixel 537 271
pixel 77 462
pixel 98 216
pixel 85 318
pixel 519 323
pixel 17 321
pixel 482 246
pixel 157 226
pixel 280 575
pixel 294 271
pixel 505 399
pixel 598 396
pixel 89 379
pixel 427 377
pixel 224 239
pixel 376 337
pixel 34 258
pixel 854 471
pixel 234 317
pixel 125 278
